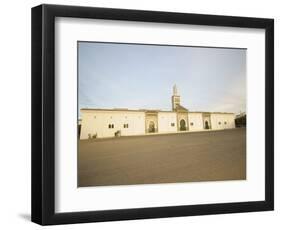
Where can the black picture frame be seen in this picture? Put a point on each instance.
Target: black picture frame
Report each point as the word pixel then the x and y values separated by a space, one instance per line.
pixel 43 114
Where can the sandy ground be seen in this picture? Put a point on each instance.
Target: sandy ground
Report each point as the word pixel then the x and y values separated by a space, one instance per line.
pixel 183 157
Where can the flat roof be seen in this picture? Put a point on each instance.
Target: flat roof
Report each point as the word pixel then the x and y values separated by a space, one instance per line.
pixel 210 112
pixel 148 110
pixel 130 110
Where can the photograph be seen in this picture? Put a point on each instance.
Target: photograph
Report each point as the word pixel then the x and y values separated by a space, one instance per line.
pixel 151 113
pixel 142 114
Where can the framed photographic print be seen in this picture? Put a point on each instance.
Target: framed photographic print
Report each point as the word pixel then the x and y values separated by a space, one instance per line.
pixel 143 114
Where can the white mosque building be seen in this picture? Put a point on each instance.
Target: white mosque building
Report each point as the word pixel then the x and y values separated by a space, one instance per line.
pixel 100 123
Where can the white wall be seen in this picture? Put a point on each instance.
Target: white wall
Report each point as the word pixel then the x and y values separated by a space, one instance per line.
pixel 97 122
pixel 222 121
pixel 15 96
pixel 197 120
pixel 165 119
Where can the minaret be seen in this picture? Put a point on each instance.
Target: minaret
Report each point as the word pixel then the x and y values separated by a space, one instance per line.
pixel 175 98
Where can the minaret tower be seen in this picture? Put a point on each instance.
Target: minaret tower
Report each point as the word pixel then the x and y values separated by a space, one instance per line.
pixel 175 98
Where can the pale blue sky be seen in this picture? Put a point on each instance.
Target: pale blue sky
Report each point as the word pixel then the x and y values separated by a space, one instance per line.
pixel 113 75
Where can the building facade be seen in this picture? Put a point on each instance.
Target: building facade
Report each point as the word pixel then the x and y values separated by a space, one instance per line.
pixel 100 123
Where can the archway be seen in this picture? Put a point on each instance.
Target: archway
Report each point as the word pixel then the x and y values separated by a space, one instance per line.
pixel 182 125
pixel 151 127
pixel 207 125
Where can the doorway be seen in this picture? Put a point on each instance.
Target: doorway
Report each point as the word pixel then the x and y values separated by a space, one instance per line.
pixel 207 125
pixel 151 127
pixel 182 125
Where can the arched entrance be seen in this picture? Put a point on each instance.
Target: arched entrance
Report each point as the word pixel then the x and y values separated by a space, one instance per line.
pixel 207 125
pixel 182 125
pixel 151 127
